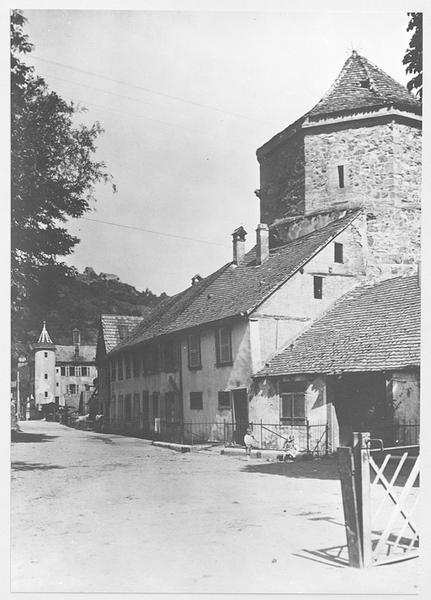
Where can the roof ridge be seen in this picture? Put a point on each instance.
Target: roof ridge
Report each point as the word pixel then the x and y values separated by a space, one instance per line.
pixel 199 287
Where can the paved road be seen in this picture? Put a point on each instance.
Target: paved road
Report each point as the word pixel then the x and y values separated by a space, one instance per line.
pixel 105 513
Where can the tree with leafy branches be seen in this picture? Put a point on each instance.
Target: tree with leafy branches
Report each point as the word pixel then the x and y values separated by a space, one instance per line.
pixel 413 55
pixel 53 173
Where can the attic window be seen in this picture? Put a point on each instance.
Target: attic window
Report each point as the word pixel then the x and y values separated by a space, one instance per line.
pixel 365 83
pixel 318 287
pixel 122 332
pixel 340 176
pixel 338 252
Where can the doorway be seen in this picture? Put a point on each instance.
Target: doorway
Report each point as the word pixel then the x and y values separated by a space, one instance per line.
pixel 361 404
pixel 240 414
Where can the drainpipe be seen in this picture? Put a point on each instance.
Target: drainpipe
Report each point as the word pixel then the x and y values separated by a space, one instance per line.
pixel 180 376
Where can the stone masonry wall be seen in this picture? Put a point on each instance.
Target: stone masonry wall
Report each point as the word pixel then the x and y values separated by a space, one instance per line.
pixel 382 164
pixel 407 164
pixel 282 180
pixel 393 237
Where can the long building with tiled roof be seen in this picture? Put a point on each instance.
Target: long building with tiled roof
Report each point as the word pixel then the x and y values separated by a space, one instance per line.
pixel 339 208
pixel 235 290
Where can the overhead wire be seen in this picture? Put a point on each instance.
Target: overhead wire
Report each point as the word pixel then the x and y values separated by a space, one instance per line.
pixel 163 233
pixel 148 90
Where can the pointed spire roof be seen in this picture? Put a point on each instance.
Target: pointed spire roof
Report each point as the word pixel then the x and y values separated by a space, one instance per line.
pixel 44 336
pixel 361 85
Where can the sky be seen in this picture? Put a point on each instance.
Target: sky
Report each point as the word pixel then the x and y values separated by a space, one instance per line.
pixel 185 99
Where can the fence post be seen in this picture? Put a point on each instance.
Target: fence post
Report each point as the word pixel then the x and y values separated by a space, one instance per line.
pixel 348 492
pixel 361 458
pixel 308 435
pixel 261 434
pixel 326 439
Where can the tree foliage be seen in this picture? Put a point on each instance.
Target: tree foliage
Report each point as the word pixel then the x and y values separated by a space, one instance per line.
pixel 413 55
pixel 53 171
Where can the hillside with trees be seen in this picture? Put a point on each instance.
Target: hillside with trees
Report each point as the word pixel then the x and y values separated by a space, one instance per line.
pixel 66 300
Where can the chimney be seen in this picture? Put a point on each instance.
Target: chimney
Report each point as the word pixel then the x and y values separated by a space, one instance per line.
pixel 76 337
pixel 238 241
pixel 262 243
pixel 196 278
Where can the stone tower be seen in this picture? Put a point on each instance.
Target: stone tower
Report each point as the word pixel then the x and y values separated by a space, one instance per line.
pixel 359 147
pixel 44 369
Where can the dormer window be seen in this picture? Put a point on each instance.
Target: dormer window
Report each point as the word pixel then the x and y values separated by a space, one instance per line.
pixel 340 169
pixel 365 83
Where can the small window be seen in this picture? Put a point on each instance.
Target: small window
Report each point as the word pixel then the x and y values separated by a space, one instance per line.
pixel 122 332
pixel 46 375
pixel 87 387
pixel 113 370
pixel 46 394
pixel 292 402
pixel 84 371
pixel 196 401
pixel 338 252
pixel 194 351
pixel 340 176
pixel 224 400
pixel 57 384
pixel 318 287
pixel 72 388
pixel 223 346
pixel 72 371
pixel 78 371
pixel 46 354
pixel 120 368
pixel 57 400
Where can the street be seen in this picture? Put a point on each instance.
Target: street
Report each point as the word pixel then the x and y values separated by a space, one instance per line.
pixel 104 513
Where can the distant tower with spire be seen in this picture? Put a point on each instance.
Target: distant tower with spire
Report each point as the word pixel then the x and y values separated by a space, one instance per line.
pixel 44 369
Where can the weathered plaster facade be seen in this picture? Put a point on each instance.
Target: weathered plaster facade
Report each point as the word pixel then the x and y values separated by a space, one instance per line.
pixel 389 410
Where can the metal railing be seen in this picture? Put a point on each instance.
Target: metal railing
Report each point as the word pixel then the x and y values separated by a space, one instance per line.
pixel 309 437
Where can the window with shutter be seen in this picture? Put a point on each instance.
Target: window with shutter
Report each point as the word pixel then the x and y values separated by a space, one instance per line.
pixel 224 400
pixel 128 406
pixel 196 401
pixel 223 346
pixel 194 351
pixel 292 402
pixel 156 405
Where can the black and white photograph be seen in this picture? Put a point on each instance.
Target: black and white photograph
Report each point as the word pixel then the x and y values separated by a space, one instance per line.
pixel 216 278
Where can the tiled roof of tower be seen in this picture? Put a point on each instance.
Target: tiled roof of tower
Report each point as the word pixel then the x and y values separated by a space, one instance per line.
pixel 234 290
pixel 372 328
pixel 116 327
pixel 362 85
